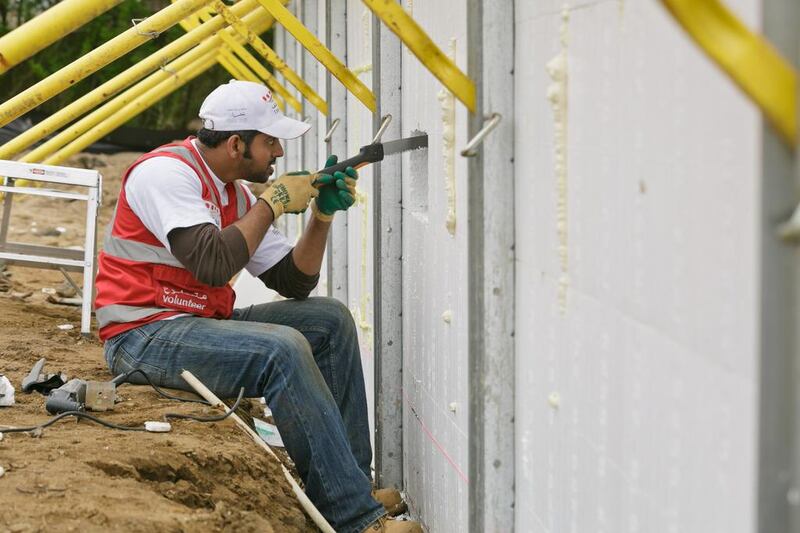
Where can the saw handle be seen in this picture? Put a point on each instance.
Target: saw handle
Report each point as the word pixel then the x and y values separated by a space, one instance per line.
pixel 371 153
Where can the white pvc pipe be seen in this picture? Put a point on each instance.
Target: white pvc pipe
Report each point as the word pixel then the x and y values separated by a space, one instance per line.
pixel 211 398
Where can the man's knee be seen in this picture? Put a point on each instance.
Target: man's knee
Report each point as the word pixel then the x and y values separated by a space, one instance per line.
pixel 287 345
pixel 334 313
pixel 287 359
pixel 294 342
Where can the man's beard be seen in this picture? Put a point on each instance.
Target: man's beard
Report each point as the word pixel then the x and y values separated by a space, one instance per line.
pixel 261 176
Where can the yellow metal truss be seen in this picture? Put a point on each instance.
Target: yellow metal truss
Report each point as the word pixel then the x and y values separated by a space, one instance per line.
pixel 255 16
pixel 240 71
pixel 415 38
pixel 40 32
pixel 270 55
pixel 138 105
pixel 109 110
pixel 97 59
pixel 233 42
pixel 321 52
pixel 259 20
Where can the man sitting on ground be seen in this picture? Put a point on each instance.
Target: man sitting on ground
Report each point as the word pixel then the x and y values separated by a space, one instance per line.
pixel 183 227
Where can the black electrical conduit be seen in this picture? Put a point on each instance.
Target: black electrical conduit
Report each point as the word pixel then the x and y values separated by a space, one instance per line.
pixel 121 379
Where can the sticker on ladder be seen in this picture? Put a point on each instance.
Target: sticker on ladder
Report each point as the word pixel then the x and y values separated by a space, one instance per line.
pixel 448 103
pixel 557 95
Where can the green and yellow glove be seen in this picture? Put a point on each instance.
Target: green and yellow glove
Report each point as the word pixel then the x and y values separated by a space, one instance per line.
pixel 337 192
pixel 291 192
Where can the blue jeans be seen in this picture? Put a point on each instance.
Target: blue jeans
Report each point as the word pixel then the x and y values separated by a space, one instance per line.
pixel 303 358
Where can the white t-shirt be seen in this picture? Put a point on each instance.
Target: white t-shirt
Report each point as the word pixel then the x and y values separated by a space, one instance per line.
pixel 165 194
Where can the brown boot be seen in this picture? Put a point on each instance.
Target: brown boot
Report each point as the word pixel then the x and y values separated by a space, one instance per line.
pixel 391 500
pixel 385 524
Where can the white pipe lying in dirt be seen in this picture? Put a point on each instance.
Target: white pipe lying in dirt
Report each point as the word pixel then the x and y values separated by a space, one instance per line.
pixel 211 398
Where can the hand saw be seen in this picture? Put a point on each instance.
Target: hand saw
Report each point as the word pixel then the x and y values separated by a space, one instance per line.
pixel 376 150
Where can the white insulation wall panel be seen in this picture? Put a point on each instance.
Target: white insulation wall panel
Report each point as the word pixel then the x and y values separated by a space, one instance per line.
pixel 359 227
pixel 637 173
pixel 435 280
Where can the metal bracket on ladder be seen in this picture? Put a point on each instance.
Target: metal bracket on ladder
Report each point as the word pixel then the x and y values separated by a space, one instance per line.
pixel 53 257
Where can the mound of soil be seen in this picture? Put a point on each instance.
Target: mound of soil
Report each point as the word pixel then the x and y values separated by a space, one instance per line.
pixel 81 476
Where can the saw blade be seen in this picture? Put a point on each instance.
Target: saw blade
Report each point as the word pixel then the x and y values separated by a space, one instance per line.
pixel 405 144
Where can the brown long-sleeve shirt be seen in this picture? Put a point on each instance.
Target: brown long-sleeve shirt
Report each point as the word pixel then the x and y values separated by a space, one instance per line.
pixel 213 256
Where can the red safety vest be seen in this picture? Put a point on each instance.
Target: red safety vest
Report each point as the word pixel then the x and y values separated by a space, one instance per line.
pixel 138 280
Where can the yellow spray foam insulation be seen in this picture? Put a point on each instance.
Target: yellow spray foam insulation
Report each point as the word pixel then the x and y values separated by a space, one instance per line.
pixel 447 316
pixel 554 399
pixel 448 103
pixel 360 313
pixel 362 69
pixel 557 95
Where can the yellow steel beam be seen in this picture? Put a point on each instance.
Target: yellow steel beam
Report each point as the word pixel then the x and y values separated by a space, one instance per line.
pixel 415 38
pixel 753 64
pixel 224 63
pixel 244 73
pixel 96 59
pixel 321 52
pixel 234 44
pixel 269 54
pixel 132 109
pixel 239 71
pixel 259 69
pixel 45 29
pixel 108 111
pixel 258 19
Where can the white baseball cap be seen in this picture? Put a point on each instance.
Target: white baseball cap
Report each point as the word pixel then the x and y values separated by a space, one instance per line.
pixel 246 105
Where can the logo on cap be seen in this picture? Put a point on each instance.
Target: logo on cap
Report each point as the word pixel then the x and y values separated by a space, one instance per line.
pixel 267 97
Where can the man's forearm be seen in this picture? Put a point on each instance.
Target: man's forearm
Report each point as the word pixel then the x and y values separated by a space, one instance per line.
pixel 254 225
pixel 310 249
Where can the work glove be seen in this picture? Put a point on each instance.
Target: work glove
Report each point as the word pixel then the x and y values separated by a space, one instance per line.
pixel 291 192
pixel 335 194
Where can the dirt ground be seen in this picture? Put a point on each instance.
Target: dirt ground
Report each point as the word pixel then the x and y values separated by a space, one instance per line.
pixel 81 476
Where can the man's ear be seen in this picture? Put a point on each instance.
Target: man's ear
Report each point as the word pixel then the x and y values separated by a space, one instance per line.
pixel 235 146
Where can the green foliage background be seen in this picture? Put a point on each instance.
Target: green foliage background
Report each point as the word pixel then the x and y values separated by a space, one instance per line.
pixel 173 112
